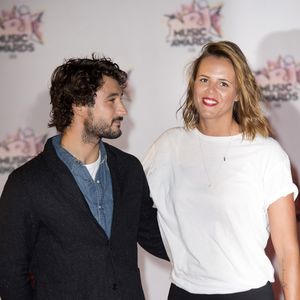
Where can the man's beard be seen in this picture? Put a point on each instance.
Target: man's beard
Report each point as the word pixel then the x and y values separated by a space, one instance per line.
pixel 93 132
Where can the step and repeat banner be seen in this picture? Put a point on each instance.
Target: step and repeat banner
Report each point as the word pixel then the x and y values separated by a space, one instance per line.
pixel 153 41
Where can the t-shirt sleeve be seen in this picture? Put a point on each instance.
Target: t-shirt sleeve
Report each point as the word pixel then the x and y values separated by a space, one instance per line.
pixel 157 155
pixel 147 160
pixel 156 164
pixel 278 180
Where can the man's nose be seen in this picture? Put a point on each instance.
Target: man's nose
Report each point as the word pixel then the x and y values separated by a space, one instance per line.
pixel 122 109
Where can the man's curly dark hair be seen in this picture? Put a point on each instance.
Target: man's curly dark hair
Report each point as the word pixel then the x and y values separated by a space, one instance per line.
pixel 76 82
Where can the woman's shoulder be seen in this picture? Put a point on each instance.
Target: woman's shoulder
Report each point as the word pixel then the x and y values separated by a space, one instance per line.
pixel 168 140
pixel 270 146
pixel 174 134
pixel 268 142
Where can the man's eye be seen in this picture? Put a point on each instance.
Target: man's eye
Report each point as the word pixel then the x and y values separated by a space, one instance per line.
pixel 125 98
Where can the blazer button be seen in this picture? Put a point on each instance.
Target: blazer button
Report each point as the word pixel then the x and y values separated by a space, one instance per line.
pixel 114 287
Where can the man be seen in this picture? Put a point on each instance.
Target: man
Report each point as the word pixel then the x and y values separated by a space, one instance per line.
pixel 71 217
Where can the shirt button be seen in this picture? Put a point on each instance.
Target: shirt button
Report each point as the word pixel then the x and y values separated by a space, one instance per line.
pixel 98 181
pixel 100 207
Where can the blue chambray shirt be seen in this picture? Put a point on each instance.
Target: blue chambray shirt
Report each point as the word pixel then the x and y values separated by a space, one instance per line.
pixel 98 192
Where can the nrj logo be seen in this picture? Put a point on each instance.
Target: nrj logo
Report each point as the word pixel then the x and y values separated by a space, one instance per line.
pixel 194 25
pixel 18 148
pixel 280 80
pixel 20 30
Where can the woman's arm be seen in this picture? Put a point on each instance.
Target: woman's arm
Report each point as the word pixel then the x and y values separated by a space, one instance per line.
pixel 283 226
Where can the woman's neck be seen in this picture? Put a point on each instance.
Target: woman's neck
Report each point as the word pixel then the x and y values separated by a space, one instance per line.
pixel 213 129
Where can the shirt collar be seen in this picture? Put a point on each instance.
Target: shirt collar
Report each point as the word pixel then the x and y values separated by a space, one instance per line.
pixel 71 161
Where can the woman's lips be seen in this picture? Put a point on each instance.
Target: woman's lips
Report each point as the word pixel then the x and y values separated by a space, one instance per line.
pixel 209 101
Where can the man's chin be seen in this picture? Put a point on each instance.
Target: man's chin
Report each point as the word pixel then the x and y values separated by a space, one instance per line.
pixel 112 135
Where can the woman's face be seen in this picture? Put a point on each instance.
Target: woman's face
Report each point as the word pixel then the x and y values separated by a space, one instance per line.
pixel 215 90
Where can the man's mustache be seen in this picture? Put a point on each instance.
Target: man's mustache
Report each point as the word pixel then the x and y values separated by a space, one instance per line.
pixel 118 119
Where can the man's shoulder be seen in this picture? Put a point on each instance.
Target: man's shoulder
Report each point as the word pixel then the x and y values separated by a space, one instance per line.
pixel 120 154
pixel 32 166
pixel 36 165
pixel 127 164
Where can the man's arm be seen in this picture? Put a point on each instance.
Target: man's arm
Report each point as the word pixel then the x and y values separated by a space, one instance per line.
pixel 16 240
pixel 149 235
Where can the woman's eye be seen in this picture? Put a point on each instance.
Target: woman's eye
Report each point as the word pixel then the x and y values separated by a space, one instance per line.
pixel 225 84
pixel 203 80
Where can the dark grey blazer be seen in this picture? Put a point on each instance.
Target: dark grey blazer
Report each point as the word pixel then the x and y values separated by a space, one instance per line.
pixel 46 228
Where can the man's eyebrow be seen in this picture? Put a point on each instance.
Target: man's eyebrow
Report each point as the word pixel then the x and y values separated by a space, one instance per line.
pixel 114 95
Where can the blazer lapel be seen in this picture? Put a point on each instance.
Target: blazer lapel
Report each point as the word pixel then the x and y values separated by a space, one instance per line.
pixel 65 183
pixel 116 187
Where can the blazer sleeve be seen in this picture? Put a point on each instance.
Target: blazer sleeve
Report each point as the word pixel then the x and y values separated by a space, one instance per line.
pixel 16 241
pixel 149 235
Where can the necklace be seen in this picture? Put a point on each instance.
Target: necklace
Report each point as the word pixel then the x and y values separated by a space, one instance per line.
pixel 219 158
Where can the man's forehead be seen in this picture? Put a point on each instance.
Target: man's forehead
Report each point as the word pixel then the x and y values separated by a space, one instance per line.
pixel 110 85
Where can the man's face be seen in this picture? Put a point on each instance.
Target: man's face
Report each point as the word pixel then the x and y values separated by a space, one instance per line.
pixel 103 120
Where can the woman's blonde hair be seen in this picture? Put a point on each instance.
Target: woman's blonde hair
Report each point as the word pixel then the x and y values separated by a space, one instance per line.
pixel 246 111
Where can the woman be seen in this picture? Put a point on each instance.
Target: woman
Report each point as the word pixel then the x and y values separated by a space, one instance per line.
pixel 222 185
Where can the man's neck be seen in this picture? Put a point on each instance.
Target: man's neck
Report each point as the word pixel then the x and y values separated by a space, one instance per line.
pixel 85 152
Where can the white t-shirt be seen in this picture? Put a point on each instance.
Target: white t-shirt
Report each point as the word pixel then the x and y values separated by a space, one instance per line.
pixel 93 167
pixel 212 196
